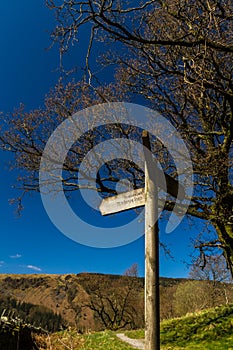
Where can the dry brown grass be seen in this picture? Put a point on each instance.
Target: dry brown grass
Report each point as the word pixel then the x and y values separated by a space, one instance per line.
pixel 66 340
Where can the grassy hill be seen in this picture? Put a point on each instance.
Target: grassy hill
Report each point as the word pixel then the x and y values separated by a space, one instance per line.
pixel 207 330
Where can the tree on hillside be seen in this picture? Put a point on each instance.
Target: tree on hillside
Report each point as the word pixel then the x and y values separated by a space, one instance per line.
pixel 166 295
pixel 214 271
pixel 132 271
pixel 190 296
pixel 116 304
pixel 177 56
pixel 210 268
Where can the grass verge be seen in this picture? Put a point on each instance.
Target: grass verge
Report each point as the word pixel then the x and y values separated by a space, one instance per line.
pixel 206 330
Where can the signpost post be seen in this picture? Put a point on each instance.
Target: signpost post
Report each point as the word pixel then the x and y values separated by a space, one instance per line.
pixel 149 198
pixel 152 313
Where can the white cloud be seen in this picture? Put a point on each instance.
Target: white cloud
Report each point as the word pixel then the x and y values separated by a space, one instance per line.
pixel 16 256
pixel 35 268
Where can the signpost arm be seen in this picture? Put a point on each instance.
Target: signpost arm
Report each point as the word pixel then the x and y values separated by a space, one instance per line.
pixel 152 313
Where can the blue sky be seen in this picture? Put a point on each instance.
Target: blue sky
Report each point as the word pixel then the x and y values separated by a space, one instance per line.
pixel 31 244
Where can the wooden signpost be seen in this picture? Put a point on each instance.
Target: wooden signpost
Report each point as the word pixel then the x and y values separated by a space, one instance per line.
pixel 123 201
pixel 149 198
pixel 152 312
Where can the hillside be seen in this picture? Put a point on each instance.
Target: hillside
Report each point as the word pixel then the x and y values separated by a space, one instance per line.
pixel 66 295
pixel 62 294
pixel 207 330
pixel 88 301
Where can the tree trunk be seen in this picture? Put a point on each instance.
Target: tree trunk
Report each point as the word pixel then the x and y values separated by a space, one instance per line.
pixel 225 235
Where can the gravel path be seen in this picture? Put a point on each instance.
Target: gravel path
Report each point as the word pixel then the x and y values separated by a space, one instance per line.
pixel 136 343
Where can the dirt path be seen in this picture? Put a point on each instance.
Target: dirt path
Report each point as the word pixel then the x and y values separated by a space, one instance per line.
pixel 136 343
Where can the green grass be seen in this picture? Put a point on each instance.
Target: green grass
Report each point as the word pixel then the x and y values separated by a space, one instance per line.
pixel 104 341
pixel 138 334
pixel 206 330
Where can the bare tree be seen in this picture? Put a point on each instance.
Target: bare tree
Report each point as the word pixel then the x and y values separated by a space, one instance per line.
pixel 210 268
pixel 167 308
pixel 191 296
pixel 116 303
pixel 177 56
pixel 214 271
pixel 132 271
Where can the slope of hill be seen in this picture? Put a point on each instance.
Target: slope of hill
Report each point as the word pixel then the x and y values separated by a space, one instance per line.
pixel 62 294
pixel 205 326
pixel 207 330
pixel 67 295
pixel 87 301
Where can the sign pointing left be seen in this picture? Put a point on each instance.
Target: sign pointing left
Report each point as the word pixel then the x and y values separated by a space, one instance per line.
pixel 123 201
